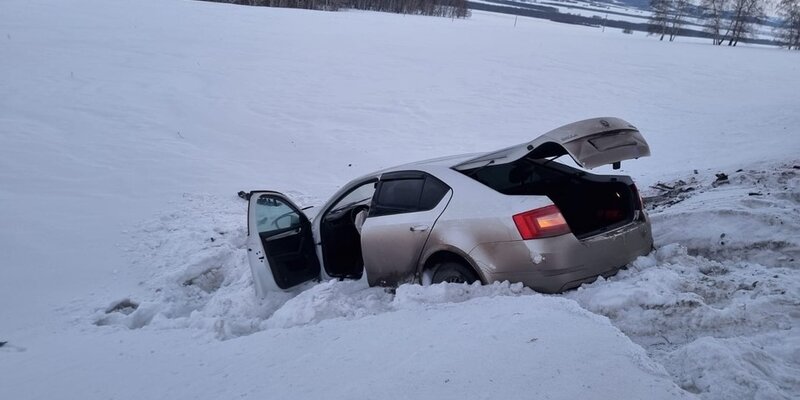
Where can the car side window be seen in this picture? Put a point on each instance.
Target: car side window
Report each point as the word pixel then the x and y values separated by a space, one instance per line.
pixel 273 215
pixel 432 193
pixel 400 194
pixel 405 195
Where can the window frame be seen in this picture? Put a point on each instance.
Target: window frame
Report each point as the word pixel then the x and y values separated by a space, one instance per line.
pixel 327 209
pixel 278 230
pixel 378 210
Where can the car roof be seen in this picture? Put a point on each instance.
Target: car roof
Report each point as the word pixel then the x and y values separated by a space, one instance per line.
pixel 431 166
pixel 446 162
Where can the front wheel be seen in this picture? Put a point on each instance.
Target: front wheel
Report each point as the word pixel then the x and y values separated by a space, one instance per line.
pixel 453 272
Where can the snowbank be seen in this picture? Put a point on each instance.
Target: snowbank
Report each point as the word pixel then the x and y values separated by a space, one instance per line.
pixel 486 347
pixel 717 303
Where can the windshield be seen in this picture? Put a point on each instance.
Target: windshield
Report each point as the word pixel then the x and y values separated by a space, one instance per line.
pixel 360 195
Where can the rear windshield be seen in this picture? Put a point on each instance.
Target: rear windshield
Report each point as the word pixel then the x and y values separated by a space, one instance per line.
pixel 522 177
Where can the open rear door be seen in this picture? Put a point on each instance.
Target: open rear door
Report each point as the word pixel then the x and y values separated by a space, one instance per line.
pixel 280 245
pixel 591 143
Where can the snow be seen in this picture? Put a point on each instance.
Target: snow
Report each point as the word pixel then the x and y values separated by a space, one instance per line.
pixel 126 129
pixel 717 302
pixel 410 352
pixel 755 216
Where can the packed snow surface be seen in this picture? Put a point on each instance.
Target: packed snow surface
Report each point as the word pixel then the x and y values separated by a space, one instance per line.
pixel 127 127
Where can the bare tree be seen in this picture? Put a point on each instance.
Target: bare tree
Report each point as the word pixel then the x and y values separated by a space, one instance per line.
pixel 667 17
pixel 660 18
pixel 789 31
pixel 713 14
pixel 743 15
pixel 677 10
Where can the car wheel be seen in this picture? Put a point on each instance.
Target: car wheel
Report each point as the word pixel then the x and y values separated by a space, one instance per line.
pixel 453 272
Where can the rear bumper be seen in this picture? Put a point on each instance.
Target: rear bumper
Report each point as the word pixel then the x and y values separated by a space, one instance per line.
pixel 563 262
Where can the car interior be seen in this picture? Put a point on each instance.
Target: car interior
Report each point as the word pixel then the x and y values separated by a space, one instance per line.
pixel 340 233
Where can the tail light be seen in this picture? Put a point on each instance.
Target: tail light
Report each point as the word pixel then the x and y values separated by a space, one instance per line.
pixel 541 223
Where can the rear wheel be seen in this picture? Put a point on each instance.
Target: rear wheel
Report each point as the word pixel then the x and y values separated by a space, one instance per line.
pixel 453 272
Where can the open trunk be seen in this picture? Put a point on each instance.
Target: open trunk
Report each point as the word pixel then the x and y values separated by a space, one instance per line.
pixel 591 143
pixel 591 204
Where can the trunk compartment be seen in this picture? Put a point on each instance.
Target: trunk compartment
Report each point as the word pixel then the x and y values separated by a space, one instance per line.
pixel 591 204
pixel 592 207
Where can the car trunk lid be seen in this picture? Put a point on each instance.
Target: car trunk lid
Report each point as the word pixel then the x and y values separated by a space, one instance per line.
pixel 591 143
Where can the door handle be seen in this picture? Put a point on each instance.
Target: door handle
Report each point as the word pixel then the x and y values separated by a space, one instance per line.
pixel 418 228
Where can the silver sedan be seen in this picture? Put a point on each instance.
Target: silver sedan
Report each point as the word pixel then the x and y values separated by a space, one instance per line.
pixel 514 214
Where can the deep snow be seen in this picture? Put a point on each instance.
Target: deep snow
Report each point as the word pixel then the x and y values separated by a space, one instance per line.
pixel 718 302
pixel 127 127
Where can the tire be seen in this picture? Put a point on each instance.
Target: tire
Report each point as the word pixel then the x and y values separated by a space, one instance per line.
pixel 453 272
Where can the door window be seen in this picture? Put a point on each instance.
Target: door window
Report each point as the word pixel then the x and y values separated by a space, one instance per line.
pixel 432 193
pixel 397 196
pixel 401 194
pixel 273 215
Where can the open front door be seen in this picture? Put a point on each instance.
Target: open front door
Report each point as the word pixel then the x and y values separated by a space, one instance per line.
pixel 280 245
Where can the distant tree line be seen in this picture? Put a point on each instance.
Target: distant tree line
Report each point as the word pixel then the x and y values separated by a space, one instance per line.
pixel 440 8
pixel 726 21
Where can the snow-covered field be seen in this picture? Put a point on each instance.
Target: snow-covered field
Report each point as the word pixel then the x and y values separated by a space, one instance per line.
pixel 126 127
